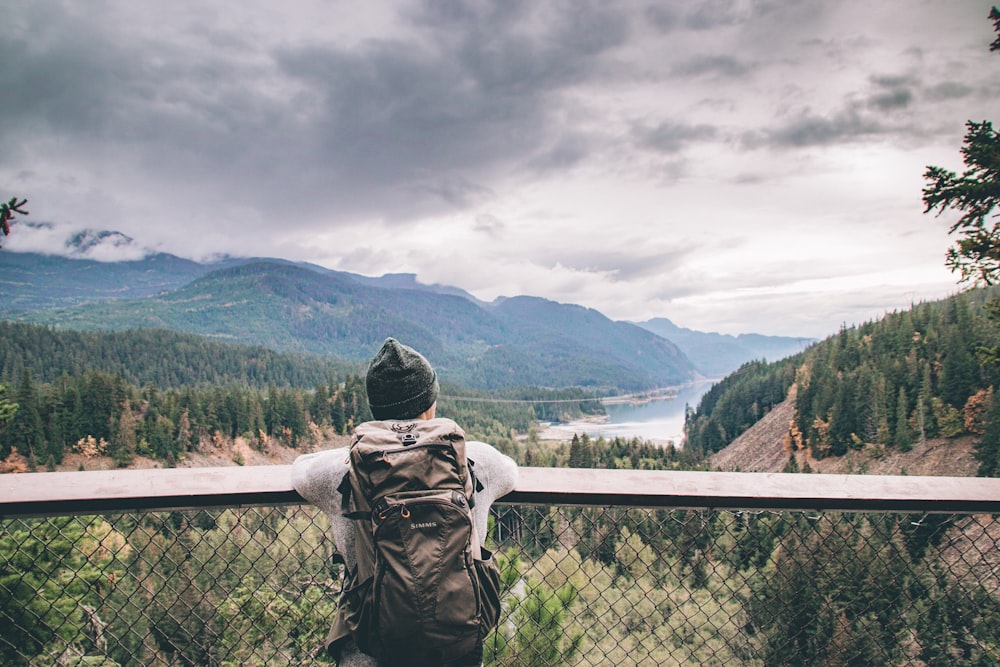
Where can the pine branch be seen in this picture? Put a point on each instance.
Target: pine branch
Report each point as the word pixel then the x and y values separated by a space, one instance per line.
pixel 7 211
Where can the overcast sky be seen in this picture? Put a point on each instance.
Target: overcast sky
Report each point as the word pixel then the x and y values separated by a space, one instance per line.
pixel 733 165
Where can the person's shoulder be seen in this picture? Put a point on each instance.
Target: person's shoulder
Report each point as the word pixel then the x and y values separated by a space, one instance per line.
pixel 482 451
pixel 493 468
pixel 327 457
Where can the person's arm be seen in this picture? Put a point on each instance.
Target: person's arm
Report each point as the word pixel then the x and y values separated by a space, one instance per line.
pixel 498 475
pixel 316 477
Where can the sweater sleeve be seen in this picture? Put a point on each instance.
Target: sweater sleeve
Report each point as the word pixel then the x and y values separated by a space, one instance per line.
pixel 497 473
pixel 316 477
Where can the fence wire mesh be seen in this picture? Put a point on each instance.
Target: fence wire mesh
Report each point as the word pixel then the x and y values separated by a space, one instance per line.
pixel 583 586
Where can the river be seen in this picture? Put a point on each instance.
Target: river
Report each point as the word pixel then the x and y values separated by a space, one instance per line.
pixel 660 420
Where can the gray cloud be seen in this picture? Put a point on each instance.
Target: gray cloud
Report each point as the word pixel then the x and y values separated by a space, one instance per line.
pixel 725 66
pixel 892 92
pixel 874 113
pixel 489 224
pixel 670 137
pixel 948 90
pixel 711 14
pixel 397 128
pixel 246 127
pixel 809 129
pixel 664 17
pixel 623 265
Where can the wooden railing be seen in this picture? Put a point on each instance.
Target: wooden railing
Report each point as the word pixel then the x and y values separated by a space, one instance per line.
pixel 64 493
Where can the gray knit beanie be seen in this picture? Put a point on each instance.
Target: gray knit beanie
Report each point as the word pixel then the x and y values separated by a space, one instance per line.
pixel 401 384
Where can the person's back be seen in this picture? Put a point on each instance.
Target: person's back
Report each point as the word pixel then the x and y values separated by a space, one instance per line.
pixel 402 391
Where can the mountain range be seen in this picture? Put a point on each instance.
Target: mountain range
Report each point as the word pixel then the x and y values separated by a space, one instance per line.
pixel 716 355
pixel 298 307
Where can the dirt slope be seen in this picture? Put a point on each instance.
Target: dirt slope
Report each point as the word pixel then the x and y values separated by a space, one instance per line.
pixel 763 449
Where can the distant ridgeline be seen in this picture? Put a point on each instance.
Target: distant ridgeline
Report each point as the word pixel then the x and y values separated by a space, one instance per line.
pixel 516 342
pixel 159 394
pixel 910 375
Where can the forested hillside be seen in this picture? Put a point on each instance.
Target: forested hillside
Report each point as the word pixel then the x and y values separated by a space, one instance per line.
pixel 296 309
pixel 581 342
pixel 910 376
pixel 160 395
pixel 156 356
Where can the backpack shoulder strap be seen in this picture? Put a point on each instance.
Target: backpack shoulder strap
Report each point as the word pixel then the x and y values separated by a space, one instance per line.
pixel 477 486
pixel 345 500
pixel 344 488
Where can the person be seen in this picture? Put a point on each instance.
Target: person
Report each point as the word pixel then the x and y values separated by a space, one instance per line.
pixel 401 385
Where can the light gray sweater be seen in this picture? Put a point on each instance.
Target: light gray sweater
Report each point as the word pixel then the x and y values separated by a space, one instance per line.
pixel 316 477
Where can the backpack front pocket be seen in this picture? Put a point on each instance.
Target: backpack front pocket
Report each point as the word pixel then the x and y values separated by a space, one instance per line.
pixel 425 584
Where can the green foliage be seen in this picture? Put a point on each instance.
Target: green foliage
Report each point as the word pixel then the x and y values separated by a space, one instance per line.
pixel 261 622
pixel 954 626
pixel 7 211
pixel 539 638
pixel 834 596
pixel 223 588
pixel 975 194
pixel 154 356
pixel 25 432
pixel 48 575
pixel 165 424
pixel 988 450
pixel 192 388
pixel 676 587
pixel 8 408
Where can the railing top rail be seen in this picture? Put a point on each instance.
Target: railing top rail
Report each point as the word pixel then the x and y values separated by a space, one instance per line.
pixel 61 493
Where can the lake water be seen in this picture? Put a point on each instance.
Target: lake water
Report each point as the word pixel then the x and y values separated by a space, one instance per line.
pixel 660 420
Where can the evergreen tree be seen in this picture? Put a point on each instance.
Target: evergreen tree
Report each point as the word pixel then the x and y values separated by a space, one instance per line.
pixel 975 194
pixel 25 431
pixel 183 437
pixel 123 443
pixel 902 438
pixel 843 419
pixel 7 407
pixel 988 447
pixel 958 369
pixel 581 454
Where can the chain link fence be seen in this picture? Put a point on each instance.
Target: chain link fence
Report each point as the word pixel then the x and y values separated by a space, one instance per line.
pixel 584 586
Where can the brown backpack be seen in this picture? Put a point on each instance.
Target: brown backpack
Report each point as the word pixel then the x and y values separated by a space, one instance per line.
pixel 424 592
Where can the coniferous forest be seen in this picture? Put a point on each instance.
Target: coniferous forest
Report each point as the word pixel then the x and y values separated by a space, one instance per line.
pixel 888 384
pixel 158 394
